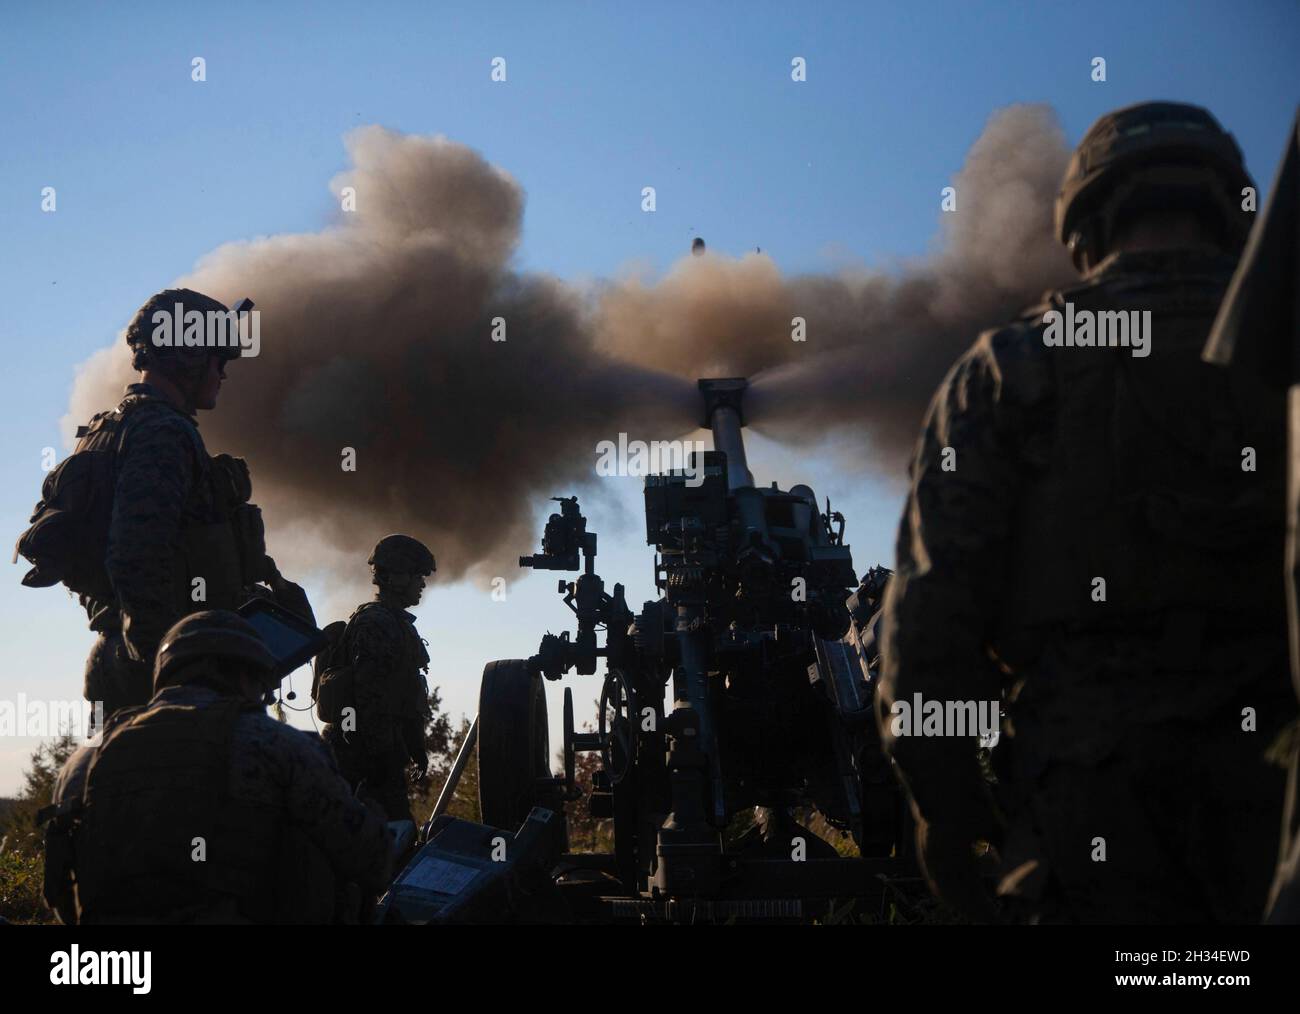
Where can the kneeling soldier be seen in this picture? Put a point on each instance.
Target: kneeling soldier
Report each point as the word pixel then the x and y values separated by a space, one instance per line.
pixel 199 807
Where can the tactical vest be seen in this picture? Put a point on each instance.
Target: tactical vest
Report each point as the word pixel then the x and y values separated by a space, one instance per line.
pixel 414 658
pixel 1141 484
pixel 397 721
pixel 222 538
pixel 160 783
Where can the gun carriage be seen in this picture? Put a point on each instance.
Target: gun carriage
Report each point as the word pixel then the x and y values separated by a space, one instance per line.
pixel 748 683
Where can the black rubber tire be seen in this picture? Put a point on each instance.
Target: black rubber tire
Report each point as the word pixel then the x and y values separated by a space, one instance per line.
pixel 513 742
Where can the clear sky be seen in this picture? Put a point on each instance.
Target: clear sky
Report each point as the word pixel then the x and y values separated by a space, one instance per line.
pixel 152 170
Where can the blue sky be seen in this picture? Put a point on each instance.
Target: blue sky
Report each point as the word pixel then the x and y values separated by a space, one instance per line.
pixel 153 170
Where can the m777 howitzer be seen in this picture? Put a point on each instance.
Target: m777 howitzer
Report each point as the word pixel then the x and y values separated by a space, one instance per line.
pixel 749 683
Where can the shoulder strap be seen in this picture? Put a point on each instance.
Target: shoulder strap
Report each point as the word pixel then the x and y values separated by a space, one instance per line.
pixel 107 430
pixel 361 609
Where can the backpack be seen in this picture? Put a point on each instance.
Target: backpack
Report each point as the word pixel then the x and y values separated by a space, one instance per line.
pixel 332 685
pixel 67 540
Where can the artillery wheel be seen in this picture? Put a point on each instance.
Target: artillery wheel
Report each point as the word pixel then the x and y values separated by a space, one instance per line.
pixel 513 742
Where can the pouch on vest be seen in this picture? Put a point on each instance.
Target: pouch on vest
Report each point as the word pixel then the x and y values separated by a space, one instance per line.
pixel 212 553
pixel 232 493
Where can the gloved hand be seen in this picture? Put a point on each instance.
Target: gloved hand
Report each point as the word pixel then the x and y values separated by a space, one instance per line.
pixel 419 769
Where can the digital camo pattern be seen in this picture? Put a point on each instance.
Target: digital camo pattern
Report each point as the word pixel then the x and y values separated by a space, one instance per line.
pixel 160 489
pixel 276 772
pixel 388 661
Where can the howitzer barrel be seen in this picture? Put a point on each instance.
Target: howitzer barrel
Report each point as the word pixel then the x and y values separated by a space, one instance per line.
pixel 723 415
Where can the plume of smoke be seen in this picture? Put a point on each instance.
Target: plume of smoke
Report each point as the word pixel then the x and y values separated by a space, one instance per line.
pixel 376 336
pixel 875 346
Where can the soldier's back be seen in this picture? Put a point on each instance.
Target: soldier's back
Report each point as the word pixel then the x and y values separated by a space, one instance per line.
pixel 200 808
pixel 1142 618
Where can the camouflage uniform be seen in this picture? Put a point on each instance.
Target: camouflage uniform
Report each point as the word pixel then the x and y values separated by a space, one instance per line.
pixel 389 662
pixel 1124 715
pixel 165 527
pixel 283 792
pixel 173 513
pixel 281 831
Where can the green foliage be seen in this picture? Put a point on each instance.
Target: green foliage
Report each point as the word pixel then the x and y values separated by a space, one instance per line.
pixel 22 858
pixel 587 833
pixel 21 881
pixel 19 823
pixel 440 737
pixel 443 741
pixel 464 802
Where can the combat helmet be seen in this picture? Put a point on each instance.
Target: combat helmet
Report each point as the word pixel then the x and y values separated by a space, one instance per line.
pixel 401 554
pixel 1151 156
pixel 210 634
pixel 139 333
